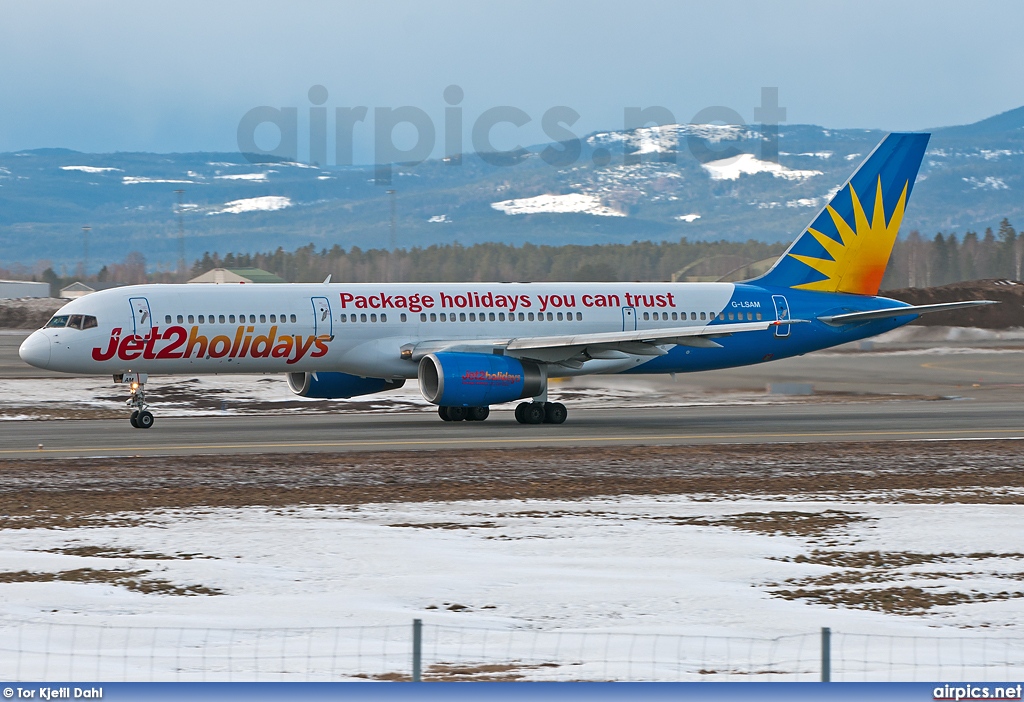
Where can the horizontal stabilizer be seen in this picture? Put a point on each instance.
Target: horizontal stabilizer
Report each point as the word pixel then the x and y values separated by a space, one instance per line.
pixel 838 320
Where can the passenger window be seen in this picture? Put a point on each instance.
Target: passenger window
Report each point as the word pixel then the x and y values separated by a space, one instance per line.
pixel 559 316
pixel 522 316
pixel 231 318
pixel 88 322
pixel 362 317
pixel 221 319
pixel 191 319
pixel 702 316
pixel 342 318
pixel 647 316
pixel 433 317
pixel 443 317
pixel 263 319
pixel 579 316
pixel 181 320
pixel 373 317
pixel 758 316
pixel 202 319
pixel 551 317
pixel 731 316
pixel 423 317
pixel 167 319
pixel 252 319
pixel 383 317
pixel 273 318
pixel 292 318
pixel 403 317
pixel 501 316
pixel 472 316
pixel 462 316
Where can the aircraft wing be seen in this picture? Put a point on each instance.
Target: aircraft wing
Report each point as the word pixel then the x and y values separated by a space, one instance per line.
pixel 609 345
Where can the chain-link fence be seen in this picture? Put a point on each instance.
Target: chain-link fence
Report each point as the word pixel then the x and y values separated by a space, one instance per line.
pixel 80 652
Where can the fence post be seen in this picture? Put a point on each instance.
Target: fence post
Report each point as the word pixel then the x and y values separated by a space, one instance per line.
pixel 826 654
pixel 417 650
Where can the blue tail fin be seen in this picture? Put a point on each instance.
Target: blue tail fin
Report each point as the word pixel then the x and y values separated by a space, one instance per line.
pixel 847 246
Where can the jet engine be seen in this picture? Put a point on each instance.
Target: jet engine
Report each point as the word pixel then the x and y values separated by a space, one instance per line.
pixel 338 385
pixel 477 379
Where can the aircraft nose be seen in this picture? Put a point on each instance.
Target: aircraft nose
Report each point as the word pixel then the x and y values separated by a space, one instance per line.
pixel 35 350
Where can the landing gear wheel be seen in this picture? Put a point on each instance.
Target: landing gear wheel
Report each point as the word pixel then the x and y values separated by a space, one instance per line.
pixel 134 419
pixel 530 413
pixel 478 414
pixel 456 414
pixel 144 420
pixel 554 413
pixel 442 412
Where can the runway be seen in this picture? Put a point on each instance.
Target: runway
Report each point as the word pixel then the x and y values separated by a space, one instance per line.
pixel 935 390
pixel 780 424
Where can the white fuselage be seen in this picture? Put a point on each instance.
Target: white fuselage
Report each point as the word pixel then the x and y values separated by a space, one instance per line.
pixel 352 328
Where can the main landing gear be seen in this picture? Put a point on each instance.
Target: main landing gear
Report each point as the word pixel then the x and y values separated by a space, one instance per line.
pixel 141 417
pixel 540 413
pixel 458 414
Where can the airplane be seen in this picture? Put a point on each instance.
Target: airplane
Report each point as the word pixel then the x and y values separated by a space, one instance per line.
pixel 473 345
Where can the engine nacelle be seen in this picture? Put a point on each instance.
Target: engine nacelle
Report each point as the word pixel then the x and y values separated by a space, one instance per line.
pixel 338 385
pixel 477 379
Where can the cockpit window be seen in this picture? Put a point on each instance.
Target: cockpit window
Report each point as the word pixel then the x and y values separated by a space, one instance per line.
pixel 74 321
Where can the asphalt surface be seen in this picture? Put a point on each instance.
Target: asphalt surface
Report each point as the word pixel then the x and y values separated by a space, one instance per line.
pixel 948 392
pixel 821 422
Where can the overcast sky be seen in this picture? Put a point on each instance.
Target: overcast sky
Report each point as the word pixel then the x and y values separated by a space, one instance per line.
pixel 178 76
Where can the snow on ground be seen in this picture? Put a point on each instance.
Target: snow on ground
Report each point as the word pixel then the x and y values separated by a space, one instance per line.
pixel 244 176
pixel 988 183
pixel 571 203
pixel 267 203
pixel 642 565
pixel 90 169
pixel 746 164
pixel 221 395
pixel 135 180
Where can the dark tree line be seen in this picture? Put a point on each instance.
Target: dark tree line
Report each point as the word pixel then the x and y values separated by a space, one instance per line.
pixel 916 262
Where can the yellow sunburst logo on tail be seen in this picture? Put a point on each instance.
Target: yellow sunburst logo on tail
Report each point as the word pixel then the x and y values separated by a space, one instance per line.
pixel 858 262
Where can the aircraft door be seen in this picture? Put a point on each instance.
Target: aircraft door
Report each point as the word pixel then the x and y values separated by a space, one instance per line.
pixel 323 322
pixel 142 319
pixel 782 315
pixel 628 319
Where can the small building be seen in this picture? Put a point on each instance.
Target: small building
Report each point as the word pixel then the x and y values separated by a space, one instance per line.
pixel 14 289
pixel 237 275
pixel 80 289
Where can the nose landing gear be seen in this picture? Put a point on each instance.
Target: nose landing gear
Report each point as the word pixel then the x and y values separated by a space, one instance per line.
pixel 141 417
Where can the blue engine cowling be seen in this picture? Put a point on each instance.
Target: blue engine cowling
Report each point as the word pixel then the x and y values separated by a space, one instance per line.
pixel 338 385
pixel 477 379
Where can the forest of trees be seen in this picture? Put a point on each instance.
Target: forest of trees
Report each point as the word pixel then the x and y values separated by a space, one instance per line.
pixel 916 261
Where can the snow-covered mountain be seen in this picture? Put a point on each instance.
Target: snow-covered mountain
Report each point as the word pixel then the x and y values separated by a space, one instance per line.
pixel 695 181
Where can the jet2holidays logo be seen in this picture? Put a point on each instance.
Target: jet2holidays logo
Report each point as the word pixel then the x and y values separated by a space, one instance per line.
pixel 702 137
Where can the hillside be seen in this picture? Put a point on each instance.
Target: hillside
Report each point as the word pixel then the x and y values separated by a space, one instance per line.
pixel 971 179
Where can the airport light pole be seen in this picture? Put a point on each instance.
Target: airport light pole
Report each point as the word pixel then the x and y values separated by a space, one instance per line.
pixel 391 248
pixel 181 237
pixel 85 251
